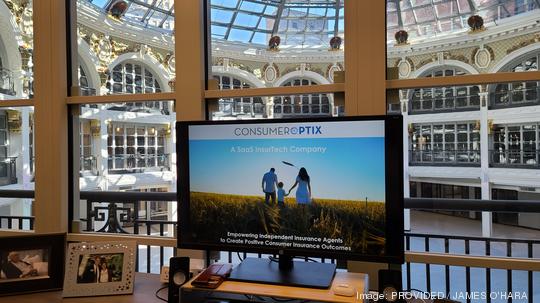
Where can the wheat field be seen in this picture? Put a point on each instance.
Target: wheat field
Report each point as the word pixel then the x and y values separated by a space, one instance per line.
pixel 359 224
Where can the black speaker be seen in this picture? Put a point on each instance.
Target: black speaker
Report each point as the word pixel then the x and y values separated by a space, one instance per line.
pixel 390 285
pixel 178 276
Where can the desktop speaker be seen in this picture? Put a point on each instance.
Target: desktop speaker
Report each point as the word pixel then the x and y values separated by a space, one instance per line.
pixel 390 285
pixel 178 276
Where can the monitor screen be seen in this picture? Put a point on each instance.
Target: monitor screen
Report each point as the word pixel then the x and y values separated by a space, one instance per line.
pixel 304 187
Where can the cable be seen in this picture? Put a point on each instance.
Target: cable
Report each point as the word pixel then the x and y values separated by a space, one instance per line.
pixel 157 291
pixel 239 257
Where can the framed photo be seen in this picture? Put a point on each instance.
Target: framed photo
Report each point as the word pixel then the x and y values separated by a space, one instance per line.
pixel 100 268
pixel 31 263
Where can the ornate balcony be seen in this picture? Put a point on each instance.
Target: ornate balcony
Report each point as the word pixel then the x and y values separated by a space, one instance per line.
pixel 514 158
pixel 131 163
pixel 444 157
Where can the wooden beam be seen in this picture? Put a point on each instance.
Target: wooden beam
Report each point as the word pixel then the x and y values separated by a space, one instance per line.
pixel 473 261
pixel 189 50
pixel 503 77
pixel 16 103
pixel 51 116
pixel 141 239
pixel 120 98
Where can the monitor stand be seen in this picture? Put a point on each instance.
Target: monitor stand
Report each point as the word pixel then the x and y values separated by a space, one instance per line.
pixel 285 272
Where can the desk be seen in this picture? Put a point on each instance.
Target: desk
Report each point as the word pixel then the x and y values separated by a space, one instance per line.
pixel 144 289
pixel 359 281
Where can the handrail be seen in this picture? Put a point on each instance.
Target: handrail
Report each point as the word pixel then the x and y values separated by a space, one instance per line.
pixel 473 205
pixel 18 193
pixel 108 196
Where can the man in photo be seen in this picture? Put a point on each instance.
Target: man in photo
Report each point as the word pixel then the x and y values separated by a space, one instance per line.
pixel 16 268
pixel 269 183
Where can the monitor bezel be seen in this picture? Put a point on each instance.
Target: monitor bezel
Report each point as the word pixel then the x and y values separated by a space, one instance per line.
pixel 394 251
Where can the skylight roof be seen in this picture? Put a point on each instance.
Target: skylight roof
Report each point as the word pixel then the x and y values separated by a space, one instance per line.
pixel 426 18
pixel 299 23
pixel 150 13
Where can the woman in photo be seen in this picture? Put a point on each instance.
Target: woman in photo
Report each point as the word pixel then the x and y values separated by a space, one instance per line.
pixel 303 192
pixel 105 274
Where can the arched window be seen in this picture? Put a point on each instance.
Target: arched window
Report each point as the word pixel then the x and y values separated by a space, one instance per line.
pixel 84 83
pixel 518 93
pixel 302 105
pixel 238 107
pixel 132 78
pixel 445 98
pixel 6 78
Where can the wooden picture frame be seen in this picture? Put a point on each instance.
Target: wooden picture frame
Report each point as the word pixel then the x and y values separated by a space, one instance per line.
pixel 31 263
pixel 100 269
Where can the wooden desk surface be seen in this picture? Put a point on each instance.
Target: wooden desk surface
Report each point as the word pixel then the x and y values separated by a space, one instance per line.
pixel 145 288
pixel 357 280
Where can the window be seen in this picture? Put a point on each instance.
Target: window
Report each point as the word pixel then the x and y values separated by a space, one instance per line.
pixel 515 145
pixel 84 83
pixel 518 93
pixel 445 98
pixel 456 144
pixel 133 78
pixel 231 108
pixel 303 105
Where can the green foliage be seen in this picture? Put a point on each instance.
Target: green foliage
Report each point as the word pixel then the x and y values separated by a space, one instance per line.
pixel 359 224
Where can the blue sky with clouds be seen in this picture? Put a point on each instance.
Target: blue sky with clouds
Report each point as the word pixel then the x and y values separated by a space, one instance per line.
pixel 349 169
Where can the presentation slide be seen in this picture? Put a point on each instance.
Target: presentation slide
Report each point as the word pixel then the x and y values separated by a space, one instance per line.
pixel 317 186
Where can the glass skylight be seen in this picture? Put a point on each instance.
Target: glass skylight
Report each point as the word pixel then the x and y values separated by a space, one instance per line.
pixel 150 13
pixel 299 23
pixel 425 18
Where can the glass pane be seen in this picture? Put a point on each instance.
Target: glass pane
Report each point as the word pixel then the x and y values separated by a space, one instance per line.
pixel 243 30
pixel 16 50
pixel 113 62
pixel 135 154
pixel 17 169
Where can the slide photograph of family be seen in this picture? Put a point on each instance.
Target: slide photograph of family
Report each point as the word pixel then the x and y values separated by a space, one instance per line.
pixel 294 187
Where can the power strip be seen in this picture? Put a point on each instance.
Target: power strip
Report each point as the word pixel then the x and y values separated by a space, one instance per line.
pixel 164 275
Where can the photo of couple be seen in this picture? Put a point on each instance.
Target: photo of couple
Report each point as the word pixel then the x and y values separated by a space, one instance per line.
pixel 102 268
pixel 271 187
pixel 25 264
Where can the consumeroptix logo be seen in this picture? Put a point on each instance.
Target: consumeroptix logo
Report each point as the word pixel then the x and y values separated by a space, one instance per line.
pixel 278 131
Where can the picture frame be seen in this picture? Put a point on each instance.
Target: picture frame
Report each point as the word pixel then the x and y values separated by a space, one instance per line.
pixel 31 263
pixel 100 268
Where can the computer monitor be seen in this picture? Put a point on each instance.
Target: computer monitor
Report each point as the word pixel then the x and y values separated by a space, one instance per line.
pixel 328 188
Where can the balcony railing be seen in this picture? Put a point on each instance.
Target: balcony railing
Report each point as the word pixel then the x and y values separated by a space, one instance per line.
pixel 17 222
pixel 121 213
pixel 446 104
pixel 8 171
pixel 514 158
pixel 138 163
pixel 231 108
pixel 89 164
pixel 444 157
pixel 6 82
pixel 443 263
pixel 515 97
pixel 292 110
pixel 88 91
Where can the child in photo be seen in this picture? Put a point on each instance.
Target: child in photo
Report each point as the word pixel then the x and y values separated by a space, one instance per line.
pixel 281 195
